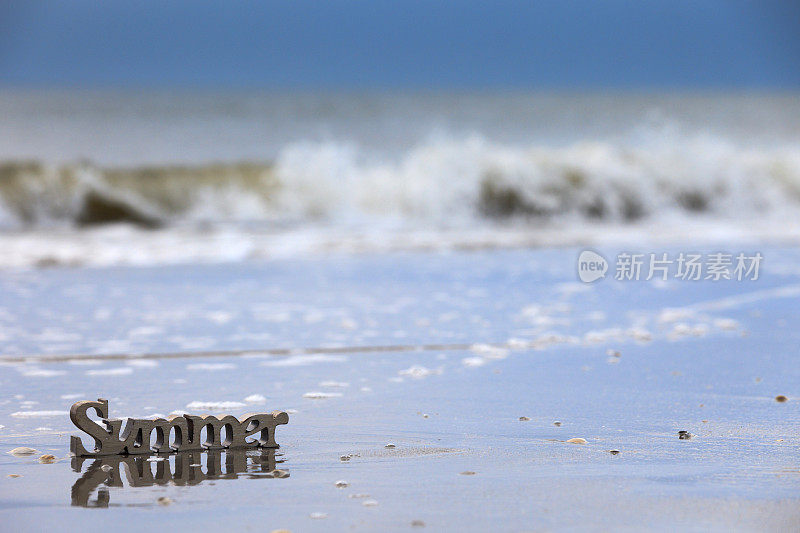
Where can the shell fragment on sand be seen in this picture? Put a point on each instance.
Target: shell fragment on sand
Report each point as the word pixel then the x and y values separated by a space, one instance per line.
pixel 23 451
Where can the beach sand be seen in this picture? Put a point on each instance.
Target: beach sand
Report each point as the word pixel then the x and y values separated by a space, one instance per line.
pixel 478 367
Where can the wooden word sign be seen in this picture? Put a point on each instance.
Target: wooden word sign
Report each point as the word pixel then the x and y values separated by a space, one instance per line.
pixel 173 434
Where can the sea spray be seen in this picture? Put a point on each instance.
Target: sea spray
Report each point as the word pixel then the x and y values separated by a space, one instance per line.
pixel 444 183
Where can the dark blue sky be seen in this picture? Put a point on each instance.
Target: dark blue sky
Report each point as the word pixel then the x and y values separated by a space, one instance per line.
pixel 407 44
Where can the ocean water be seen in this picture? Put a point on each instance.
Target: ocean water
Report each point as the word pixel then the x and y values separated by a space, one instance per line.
pixel 479 365
pixel 101 178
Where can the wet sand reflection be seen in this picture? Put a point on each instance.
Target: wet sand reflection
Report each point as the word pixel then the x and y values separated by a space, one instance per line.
pixel 181 469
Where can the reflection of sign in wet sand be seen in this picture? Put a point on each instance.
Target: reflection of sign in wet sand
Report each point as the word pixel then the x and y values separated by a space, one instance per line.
pixel 180 469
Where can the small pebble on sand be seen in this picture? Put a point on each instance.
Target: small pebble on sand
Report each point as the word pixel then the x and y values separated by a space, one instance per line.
pixel 417 523
pixel 576 440
pixel 389 445
pixel 613 452
pixel 524 419
pixel 468 473
pixel 163 500
pixel 369 503
pixel 341 484
pixel 14 475
pixel 345 457
pixel 23 451
pixel 557 424
pixel 781 398
pixel 47 459
pixel 280 474
pixel 684 435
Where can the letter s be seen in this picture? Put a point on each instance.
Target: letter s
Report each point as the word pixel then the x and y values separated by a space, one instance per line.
pixel 104 441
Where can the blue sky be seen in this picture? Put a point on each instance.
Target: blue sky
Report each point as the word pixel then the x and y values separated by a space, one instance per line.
pixel 468 44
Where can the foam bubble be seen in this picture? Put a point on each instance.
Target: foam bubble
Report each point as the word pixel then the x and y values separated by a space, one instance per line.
pixel 214 406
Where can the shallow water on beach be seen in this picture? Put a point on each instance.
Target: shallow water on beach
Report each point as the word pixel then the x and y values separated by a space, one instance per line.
pixel 438 354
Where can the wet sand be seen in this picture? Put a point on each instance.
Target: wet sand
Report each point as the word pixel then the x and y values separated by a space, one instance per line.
pixel 527 359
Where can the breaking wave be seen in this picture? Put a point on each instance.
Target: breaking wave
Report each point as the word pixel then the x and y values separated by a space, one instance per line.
pixel 444 183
